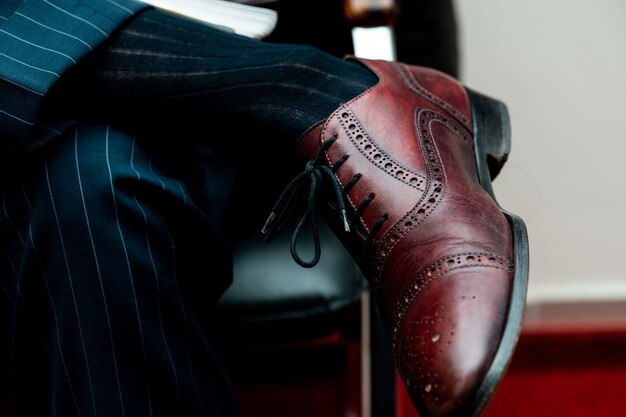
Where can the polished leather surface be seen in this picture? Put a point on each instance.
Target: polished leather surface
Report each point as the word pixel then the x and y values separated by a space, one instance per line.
pixel 440 265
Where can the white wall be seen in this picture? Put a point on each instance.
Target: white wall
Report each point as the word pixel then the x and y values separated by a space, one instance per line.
pixel 560 66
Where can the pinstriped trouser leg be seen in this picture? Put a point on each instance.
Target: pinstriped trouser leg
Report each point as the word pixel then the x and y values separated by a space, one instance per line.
pixel 109 295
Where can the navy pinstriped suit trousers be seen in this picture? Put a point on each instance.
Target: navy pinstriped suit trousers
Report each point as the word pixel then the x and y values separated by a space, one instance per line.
pixel 105 284
pixel 105 295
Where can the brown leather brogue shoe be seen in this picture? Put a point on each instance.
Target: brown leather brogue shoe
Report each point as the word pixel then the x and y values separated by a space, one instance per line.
pixel 411 161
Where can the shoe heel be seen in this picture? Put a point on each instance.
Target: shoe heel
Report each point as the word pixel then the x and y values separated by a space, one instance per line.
pixel 492 136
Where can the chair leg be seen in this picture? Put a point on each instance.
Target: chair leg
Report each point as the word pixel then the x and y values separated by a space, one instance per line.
pixel 377 367
pixel 382 368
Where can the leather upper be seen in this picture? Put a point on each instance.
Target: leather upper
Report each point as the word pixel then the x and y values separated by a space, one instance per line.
pixel 440 264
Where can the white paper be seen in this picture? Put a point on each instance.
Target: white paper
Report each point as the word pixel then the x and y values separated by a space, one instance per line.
pixel 244 19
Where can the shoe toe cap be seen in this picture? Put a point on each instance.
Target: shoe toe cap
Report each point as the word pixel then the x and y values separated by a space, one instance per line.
pixel 448 338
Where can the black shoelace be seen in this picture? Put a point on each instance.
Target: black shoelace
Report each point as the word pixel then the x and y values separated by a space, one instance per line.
pixel 316 173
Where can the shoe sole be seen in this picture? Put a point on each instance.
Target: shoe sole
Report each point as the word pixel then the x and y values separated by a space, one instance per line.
pixel 492 144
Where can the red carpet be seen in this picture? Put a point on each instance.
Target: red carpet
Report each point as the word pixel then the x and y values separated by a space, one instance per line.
pixel 557 371
pixel 561 371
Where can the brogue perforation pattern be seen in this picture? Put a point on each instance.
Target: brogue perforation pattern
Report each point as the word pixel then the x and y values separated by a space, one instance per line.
pixel 414 85
pixel 438 269
pixel 376 155
pixel 413 374
pixel 433 194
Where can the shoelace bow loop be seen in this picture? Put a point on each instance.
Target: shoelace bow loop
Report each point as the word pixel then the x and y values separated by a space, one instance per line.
pixel 316 173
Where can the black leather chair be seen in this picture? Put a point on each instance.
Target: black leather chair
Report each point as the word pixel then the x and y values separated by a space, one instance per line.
pixel 276 306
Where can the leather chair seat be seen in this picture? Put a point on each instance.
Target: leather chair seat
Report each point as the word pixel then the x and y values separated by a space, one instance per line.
pixel 274 300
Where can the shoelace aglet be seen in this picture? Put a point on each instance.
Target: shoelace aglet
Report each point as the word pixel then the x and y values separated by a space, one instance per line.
pixel 268 223
pixel 346 225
